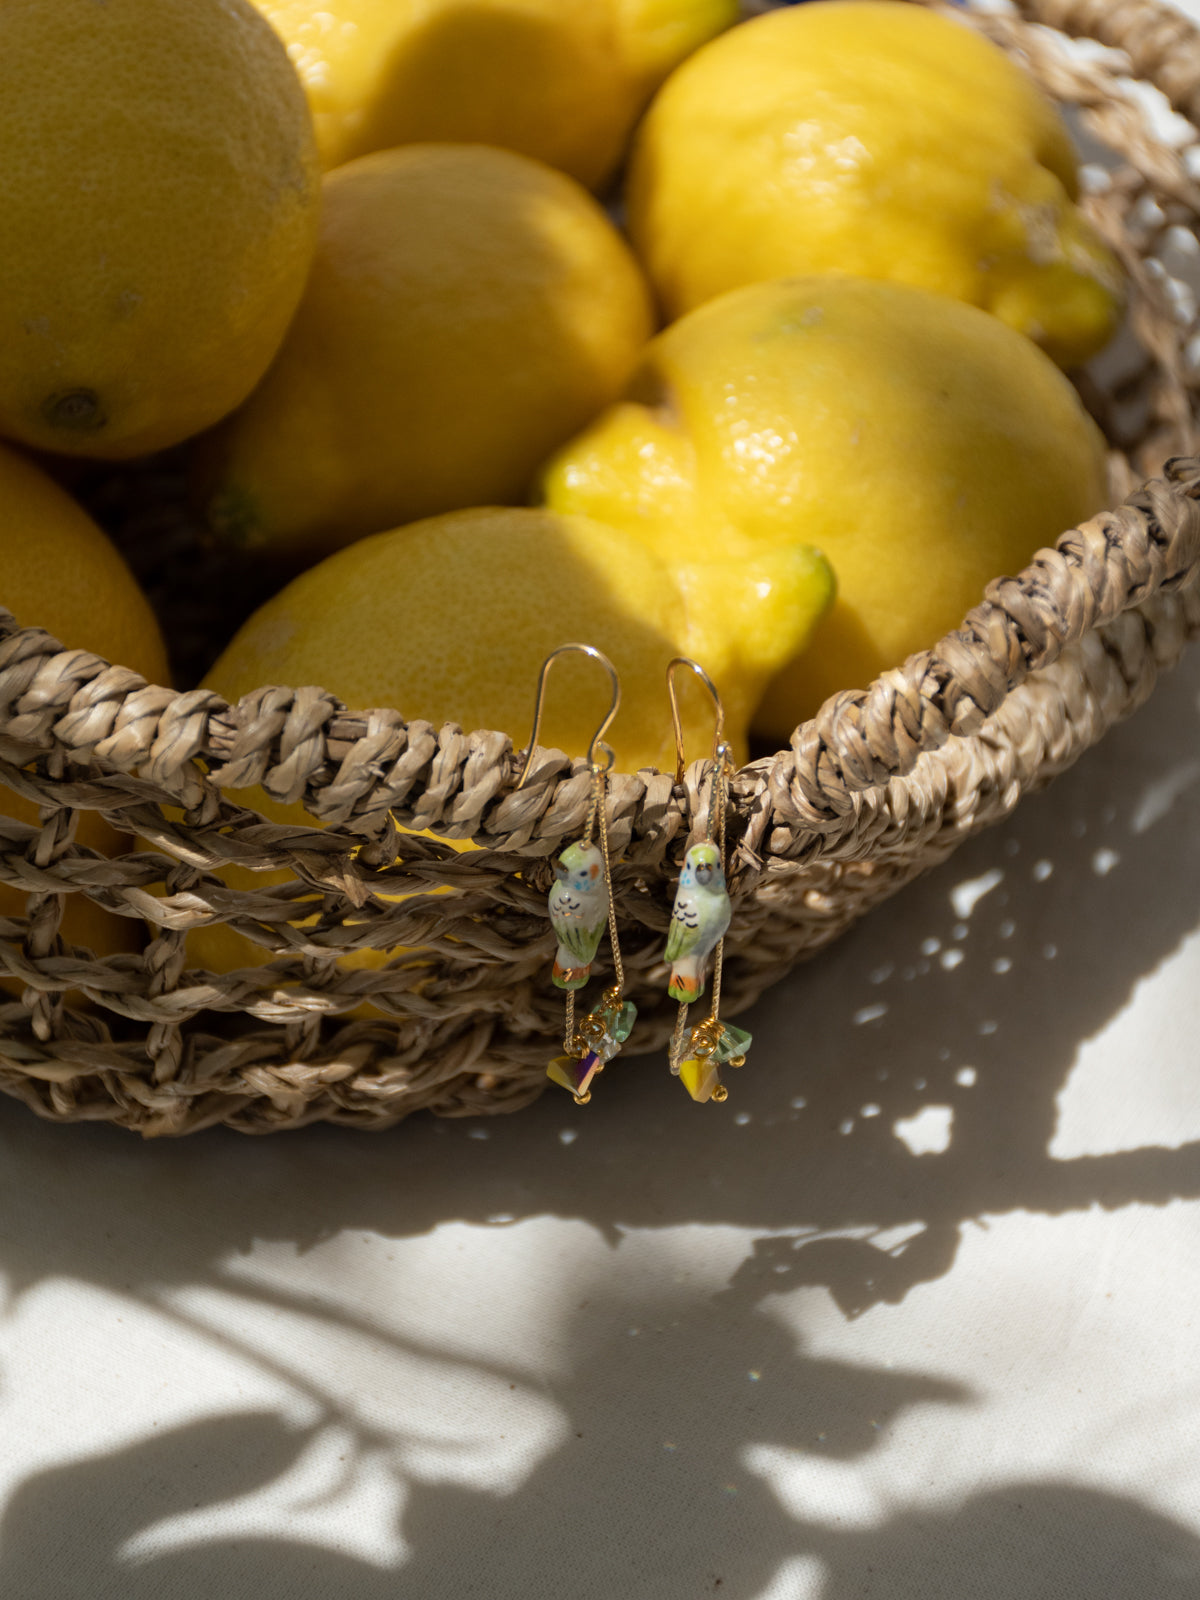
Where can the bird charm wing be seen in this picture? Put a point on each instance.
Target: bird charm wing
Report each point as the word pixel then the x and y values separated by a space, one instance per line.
pixel 683 934
pixel 578 921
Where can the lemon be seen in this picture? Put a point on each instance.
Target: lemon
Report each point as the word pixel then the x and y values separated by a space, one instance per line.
pixel 158 183
pixel 752 603
pixel 58 571
pixel 450 619
pixel 878 139
pixel 468 310
pixel 920 444
pixel 562 82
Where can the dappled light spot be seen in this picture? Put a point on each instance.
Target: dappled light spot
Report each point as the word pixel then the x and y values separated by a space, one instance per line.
pixel 1159 796
pixel 927 1133
pixel 965 896
pixel 798 1578
pixel 870 1013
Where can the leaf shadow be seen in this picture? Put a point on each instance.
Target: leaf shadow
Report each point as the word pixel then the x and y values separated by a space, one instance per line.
pixel 805 1159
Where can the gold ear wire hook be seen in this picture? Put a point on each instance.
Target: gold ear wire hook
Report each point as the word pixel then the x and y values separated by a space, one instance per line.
pixel 598 737
pixel 722 752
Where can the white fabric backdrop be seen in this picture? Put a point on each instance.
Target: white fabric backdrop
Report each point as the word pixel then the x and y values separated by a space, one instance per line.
pixel 913 1315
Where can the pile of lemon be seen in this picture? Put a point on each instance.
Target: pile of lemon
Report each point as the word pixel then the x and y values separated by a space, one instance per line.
pixel 492 324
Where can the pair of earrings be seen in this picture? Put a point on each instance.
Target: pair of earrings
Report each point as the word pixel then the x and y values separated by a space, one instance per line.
pixel 581 904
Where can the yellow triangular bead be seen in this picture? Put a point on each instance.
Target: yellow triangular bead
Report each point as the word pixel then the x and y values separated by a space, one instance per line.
pixel 701 1079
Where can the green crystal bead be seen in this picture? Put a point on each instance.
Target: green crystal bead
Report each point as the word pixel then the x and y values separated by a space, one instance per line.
pixel 617 1022
pixel 734 1042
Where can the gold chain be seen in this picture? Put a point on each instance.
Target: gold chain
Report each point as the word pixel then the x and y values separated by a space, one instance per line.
pixel 618 967
pixel 675 1054
pixel 575 1043
pixel 593 805
pixel 718 801
pixel 569 1025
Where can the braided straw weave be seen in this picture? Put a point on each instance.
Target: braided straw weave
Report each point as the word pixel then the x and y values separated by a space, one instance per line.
pixel 876 788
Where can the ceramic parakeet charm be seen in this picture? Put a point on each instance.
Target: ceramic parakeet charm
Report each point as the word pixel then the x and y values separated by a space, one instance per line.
pixel 578 911
pixel 698 920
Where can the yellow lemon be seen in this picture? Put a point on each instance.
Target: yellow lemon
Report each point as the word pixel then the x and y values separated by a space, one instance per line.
pixel 562 82
pixel 752 604
pixel 884 140
pixel 919 443
pixel 468 309
pixel 58 571
pixel 159 188
pixel 450 619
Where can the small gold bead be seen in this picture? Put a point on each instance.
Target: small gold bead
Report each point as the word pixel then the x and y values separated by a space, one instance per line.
pixel 582 1099
pixel 737 1061
pixel 720 1092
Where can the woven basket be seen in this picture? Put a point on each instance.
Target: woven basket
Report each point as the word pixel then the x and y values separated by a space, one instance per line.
pixel 875 789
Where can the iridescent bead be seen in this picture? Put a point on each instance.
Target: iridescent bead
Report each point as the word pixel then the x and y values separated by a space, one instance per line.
pixel 575 1073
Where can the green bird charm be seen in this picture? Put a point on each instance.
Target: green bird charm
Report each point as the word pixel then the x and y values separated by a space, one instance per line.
pixel 698 919
pixel 578 912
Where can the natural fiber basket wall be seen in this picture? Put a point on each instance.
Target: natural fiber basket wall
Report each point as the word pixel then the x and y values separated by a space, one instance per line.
pixel 878 787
